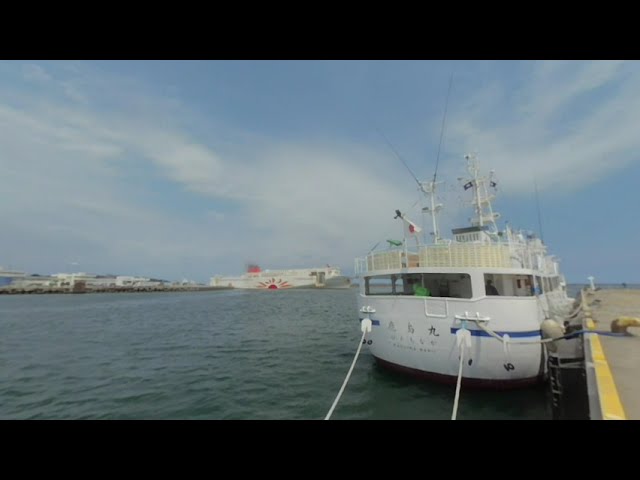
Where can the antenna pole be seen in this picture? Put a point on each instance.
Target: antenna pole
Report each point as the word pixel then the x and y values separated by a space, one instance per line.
pixel 535 185
pixel 444 118
pixel 399 157
pixel 431 189
pixel 428 188
pixel 433 209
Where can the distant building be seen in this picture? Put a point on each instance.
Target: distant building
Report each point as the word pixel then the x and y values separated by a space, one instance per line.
pixel 33 281
pixel 129 281
pixel 69 279
pixel 15 279
pixel 7 277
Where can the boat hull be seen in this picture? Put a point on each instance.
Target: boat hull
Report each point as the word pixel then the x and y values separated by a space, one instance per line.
pixel 418 336
pixel 481 383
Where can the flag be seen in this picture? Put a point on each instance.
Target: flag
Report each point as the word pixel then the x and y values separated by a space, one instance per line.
pixel 468 185
pixel 410 228
pixel 493 184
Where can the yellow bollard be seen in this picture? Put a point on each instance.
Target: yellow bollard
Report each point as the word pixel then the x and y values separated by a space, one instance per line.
pixel 620 324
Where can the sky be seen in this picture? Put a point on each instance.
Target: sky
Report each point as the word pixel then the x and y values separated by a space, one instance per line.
pixel 189 169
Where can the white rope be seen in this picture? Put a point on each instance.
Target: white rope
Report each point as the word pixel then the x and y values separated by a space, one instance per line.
pixel 365 328
pixel 463 339
pixel 521 342
pixel 576 311
pixel 563 311
pixel 457 397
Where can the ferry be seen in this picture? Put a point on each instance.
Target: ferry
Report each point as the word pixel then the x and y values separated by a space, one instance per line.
pixel 257 279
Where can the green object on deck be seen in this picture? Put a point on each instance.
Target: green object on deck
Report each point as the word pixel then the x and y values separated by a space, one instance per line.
pixel 396 243
pixel 421 291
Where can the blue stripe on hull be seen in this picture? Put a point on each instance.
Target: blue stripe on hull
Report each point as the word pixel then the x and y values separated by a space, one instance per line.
pixel 482 333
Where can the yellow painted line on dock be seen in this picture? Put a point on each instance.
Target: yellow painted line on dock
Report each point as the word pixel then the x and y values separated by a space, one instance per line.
pixel 590 324
pixel 610 403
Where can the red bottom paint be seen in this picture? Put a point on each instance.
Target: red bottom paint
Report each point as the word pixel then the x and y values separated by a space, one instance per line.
pixel 466 382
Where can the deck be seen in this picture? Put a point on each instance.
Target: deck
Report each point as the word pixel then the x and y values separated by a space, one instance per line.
pixel 613 362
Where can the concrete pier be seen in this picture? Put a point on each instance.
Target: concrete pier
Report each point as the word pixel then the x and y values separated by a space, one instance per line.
pixel 88 289
pixel 612 363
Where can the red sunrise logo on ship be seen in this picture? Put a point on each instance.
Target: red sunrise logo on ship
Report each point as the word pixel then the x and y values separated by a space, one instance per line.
pixel 274 285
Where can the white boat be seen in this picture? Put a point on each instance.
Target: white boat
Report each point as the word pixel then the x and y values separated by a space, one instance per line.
pixel 487 291
pixel 258 279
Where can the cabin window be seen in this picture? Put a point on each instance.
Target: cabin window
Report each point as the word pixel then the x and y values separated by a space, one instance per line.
pixel 452 285
pixel 383 285
pixel 508 285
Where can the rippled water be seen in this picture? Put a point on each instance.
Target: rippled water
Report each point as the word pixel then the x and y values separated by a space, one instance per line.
pixel 213 355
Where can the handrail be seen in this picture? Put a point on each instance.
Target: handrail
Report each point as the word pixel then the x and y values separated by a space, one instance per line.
pixel 460 255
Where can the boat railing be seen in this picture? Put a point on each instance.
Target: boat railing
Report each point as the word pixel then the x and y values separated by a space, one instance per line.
pixel 466 255
pixel 533 258
pixel 461 255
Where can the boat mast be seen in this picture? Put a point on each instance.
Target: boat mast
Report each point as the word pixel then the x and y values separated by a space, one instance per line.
pixel 482 198
pixel 429 188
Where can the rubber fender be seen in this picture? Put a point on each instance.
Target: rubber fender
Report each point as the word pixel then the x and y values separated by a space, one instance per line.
pixel 551 329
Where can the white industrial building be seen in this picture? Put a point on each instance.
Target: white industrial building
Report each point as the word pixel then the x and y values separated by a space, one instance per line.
pixel 16 279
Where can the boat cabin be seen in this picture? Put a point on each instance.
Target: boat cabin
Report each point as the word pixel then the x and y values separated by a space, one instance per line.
pixel 460 284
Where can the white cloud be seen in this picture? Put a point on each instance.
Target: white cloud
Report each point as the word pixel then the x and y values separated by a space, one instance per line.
pixel 35 73
pixel 560 130
pixel 293 204
pixel 182 160
pixel 556 84
pixel 280 203
pixel 73 92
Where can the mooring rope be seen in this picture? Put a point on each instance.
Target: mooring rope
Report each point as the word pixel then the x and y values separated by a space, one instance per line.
pixel 463 338
pixel 366 328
